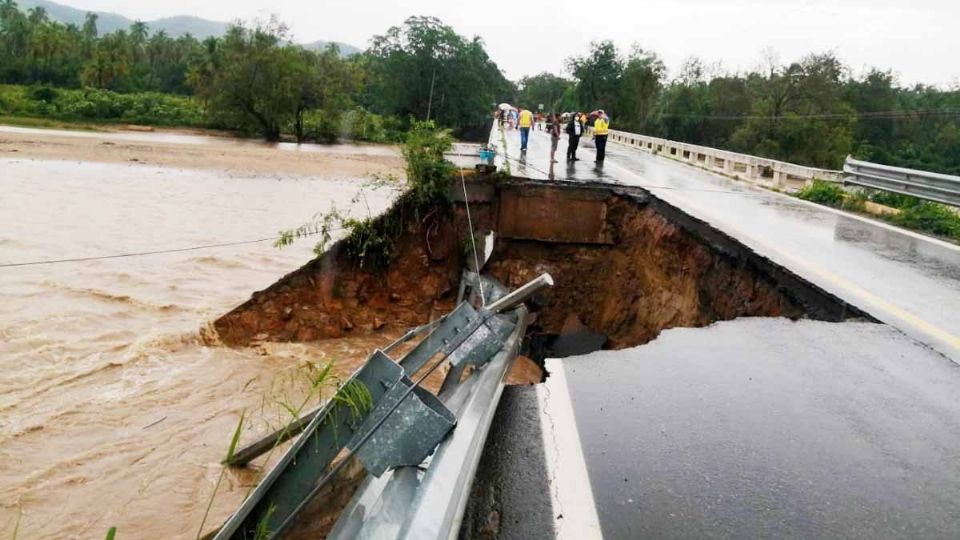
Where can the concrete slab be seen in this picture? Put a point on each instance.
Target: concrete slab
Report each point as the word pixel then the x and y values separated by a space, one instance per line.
pixel 551 215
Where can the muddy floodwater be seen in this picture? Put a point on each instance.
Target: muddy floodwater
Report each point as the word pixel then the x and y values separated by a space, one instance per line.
pixel 116 402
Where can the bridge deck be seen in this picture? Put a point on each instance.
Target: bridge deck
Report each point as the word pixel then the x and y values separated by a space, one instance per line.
pixel 902 278
pixel 759 427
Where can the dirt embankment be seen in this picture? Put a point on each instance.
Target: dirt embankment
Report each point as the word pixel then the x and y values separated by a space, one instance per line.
pixel 636 266
pixel 332 296
pixel 655 275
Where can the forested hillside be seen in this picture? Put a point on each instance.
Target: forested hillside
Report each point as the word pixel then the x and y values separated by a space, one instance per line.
pixel 252 79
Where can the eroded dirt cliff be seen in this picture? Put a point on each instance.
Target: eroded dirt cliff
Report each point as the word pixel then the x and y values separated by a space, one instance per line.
pixel 654 275
pixel 626 266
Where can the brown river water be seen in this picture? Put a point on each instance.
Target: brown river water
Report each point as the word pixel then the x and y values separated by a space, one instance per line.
pixel 116 403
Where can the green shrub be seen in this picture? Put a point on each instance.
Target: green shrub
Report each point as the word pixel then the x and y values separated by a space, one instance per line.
pixel 149 108
pixel 823 193
pixel 97 105
pixel 360 125
pixel 429 174
pixel 894 200
pixel 46 94
pixel 321 126
pixel 13 100
pixel 371 241
pixel 930 217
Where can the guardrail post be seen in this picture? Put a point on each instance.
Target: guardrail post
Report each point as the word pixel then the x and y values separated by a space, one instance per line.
pixel 779 177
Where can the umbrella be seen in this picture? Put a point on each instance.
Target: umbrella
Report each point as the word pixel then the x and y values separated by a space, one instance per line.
pixel 506 107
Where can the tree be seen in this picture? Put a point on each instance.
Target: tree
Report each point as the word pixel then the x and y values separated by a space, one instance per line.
pixel 425 70
pixel 110 63
pixel 546 89
pixel 598 76
pixel 254 81
pixel 326 83
pixel 640 84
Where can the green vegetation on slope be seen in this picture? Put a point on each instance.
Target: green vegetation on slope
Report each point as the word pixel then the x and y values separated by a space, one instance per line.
pixel 371 240
pixel 915 214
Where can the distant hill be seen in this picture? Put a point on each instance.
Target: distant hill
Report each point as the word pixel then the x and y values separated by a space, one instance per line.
pixel 345 48
pixel 173 26
pixel 107 22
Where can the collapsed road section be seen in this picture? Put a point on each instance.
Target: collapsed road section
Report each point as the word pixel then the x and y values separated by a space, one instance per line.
pixel 625 266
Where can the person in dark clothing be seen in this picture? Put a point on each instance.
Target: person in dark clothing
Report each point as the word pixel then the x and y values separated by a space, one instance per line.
pixel 574 131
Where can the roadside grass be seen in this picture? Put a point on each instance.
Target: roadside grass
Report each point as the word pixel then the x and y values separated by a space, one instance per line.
pixel 914 214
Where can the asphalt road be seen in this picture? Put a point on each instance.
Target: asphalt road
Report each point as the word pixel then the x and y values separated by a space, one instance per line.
pixel 771 428
pixel 764 427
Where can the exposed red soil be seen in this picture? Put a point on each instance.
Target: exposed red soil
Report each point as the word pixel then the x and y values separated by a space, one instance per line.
pixel 653 276
pixel 642 272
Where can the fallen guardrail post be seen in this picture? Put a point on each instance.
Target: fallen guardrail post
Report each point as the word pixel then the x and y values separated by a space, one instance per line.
pixel 929 186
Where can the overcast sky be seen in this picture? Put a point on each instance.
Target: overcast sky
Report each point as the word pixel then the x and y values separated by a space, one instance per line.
pixel 918 39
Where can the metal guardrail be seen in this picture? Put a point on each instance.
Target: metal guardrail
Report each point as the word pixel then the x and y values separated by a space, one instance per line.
pixel 403 424
pixel 941 188
pixel 411 503
pixel 765 172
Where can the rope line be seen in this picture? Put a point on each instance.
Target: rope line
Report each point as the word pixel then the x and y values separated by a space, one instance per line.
pixel 143 253
pixel 473 240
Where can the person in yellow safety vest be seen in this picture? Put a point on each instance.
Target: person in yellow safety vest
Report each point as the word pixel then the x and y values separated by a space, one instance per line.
pixel 526 122
pixel 601 128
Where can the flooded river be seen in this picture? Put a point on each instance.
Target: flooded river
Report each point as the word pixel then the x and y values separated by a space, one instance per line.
pixel 116 403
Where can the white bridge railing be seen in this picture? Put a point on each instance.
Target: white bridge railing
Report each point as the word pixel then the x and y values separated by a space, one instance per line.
pixel 765 172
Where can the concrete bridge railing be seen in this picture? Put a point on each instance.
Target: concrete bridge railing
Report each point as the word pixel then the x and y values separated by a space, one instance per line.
pixel 765 172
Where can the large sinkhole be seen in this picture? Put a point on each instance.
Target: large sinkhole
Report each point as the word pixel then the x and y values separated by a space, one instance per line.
pixel 626 266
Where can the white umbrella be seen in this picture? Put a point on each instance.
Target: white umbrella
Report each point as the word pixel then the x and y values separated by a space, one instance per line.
pixel 506 107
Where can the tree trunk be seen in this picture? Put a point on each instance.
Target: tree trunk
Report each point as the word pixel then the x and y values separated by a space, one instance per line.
pixel 298 125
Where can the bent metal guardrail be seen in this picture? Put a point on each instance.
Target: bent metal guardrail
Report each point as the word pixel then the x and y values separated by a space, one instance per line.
pixel 765 172
pixel 403 424
pixel 941 188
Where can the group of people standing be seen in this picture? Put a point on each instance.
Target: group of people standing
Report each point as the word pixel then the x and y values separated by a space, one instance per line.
pixel 574 124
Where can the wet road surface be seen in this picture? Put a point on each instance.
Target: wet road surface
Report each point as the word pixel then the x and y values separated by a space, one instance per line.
pixel 765 427
pixel 771 428
pixel 900 277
